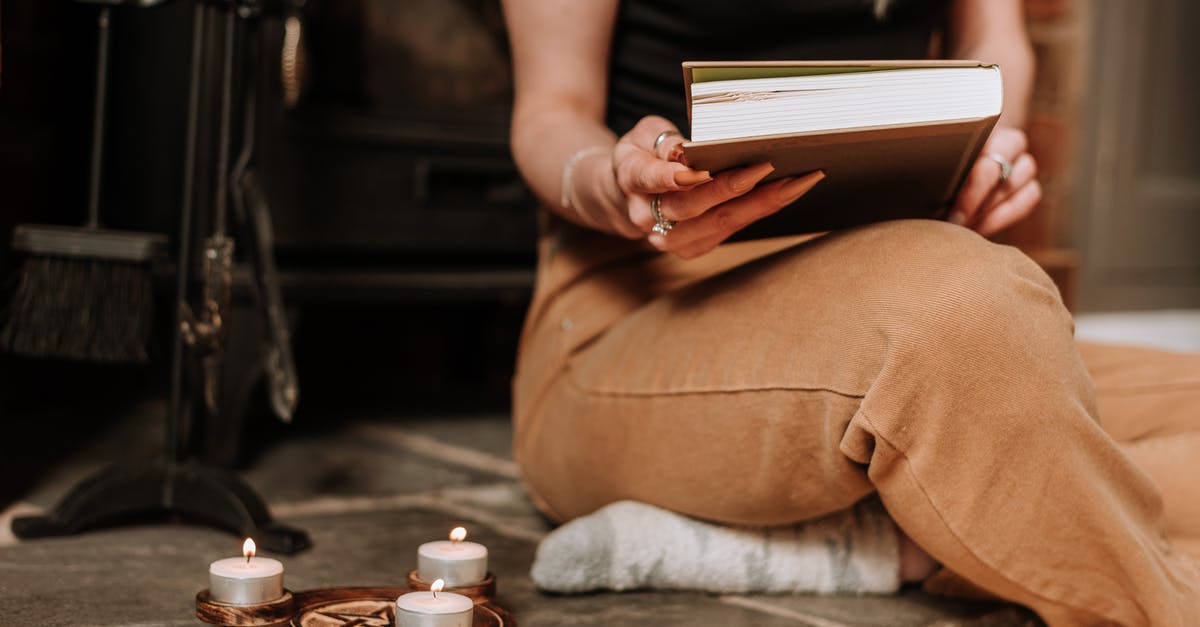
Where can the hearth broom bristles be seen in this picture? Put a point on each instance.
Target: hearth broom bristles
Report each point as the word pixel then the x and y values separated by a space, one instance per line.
pixel 84 293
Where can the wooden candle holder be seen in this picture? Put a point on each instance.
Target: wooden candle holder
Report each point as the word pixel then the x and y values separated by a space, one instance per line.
pixel 332 607
pixel 480 593
pixel 276 612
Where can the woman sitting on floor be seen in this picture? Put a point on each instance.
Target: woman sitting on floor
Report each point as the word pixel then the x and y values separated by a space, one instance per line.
pixel 782 380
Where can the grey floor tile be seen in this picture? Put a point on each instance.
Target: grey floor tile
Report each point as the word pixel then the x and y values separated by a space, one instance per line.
pixel 911 608
pixel 128 576
pixel 339 465
pixel 487 433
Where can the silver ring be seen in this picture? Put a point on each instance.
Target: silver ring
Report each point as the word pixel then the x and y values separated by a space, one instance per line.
pixel 662 137
pixel 1006 166
pixel 662 226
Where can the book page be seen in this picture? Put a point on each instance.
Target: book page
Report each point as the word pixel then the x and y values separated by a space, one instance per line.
pixel 753 107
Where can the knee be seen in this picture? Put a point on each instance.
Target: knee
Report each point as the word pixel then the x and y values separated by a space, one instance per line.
pixel 935 254
pixel 945 287
pixel 972 328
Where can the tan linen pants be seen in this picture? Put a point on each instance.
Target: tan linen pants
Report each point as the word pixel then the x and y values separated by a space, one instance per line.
pixel 780 380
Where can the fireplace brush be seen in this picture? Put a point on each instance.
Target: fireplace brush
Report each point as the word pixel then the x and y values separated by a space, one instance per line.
pixel 84 293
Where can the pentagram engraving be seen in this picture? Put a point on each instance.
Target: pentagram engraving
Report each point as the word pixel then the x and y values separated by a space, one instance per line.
pixel 356 613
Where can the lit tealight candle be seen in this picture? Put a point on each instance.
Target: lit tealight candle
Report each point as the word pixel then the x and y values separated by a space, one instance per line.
pixel 434 608
pixel 458 563
pixel 246 580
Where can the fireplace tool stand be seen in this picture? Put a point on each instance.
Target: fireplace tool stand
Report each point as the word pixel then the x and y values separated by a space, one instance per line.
pixel 174 486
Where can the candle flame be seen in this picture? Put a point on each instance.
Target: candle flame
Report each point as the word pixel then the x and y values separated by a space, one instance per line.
pixel 437 586
pixel 458 534
pixel 248 549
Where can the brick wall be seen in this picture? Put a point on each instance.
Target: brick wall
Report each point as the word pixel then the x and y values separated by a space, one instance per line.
pixel 1058 31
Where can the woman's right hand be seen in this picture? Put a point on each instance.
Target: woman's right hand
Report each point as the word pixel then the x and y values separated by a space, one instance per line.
pixel 707 209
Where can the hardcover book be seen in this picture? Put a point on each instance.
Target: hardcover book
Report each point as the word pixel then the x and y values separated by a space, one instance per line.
pixel 895 138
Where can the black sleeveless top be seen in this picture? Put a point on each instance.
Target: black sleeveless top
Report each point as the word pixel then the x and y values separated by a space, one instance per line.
pixel 652 38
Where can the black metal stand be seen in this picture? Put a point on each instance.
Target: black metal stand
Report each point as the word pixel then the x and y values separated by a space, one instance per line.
pixel 173 488
pixel 195 493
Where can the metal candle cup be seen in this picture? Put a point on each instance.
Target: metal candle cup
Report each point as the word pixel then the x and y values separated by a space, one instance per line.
pixel 456 562
pixel 434 609
pixel 245 580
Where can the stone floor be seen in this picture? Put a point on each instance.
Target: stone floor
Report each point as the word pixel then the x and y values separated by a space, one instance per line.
pixel 368 490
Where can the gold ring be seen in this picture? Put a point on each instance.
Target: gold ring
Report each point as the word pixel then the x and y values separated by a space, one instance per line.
pixel 662 226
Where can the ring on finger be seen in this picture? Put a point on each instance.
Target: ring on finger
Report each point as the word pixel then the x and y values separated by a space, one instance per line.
pixel 662 226
pixel 662 137
pixel 1006 166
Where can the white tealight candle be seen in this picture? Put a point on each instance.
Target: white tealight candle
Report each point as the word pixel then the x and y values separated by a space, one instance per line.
pixel 434 608
pixel 245 580
pixel 458 563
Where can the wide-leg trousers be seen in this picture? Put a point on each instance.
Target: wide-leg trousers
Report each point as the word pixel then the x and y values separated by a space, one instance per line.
pixel 775 381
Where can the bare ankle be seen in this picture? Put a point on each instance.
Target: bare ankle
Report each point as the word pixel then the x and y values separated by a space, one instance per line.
pixel 915 563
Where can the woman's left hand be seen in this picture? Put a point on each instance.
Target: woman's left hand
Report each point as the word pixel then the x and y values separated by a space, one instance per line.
pixel 987 202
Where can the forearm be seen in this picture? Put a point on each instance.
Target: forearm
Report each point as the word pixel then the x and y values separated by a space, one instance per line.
pixel 545 140
pixel 560 63
pixel 993 31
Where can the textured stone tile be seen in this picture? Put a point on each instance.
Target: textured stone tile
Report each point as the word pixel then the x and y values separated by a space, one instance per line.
pixel 488 433
pixel 368 494
pixel 128 576
pixel 348 462
pixel 506 503
pixel 645 609
pixel 911 608
pixel 337 465
pixel 409 442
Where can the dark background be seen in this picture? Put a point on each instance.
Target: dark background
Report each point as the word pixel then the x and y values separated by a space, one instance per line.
pixel 404 235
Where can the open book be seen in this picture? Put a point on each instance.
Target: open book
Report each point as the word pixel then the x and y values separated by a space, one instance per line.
pixel 895 138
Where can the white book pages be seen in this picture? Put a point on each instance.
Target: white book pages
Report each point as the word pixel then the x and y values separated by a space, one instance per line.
pixel 773 106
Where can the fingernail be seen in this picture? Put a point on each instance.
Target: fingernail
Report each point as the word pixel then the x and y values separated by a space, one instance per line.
pixel 676 153
pixel 798 186
pixel 747 177
pixel 958 218
pixel 687 178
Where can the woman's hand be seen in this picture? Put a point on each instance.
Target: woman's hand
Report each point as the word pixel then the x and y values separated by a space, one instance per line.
pixel 706 209
pixel 567 155
pixel 986 203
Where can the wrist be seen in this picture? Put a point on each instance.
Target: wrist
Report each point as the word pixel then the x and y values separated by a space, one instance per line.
pixel 590 194
pixel 571 196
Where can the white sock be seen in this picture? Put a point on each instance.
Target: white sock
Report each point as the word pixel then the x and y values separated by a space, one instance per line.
pixel 629 545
